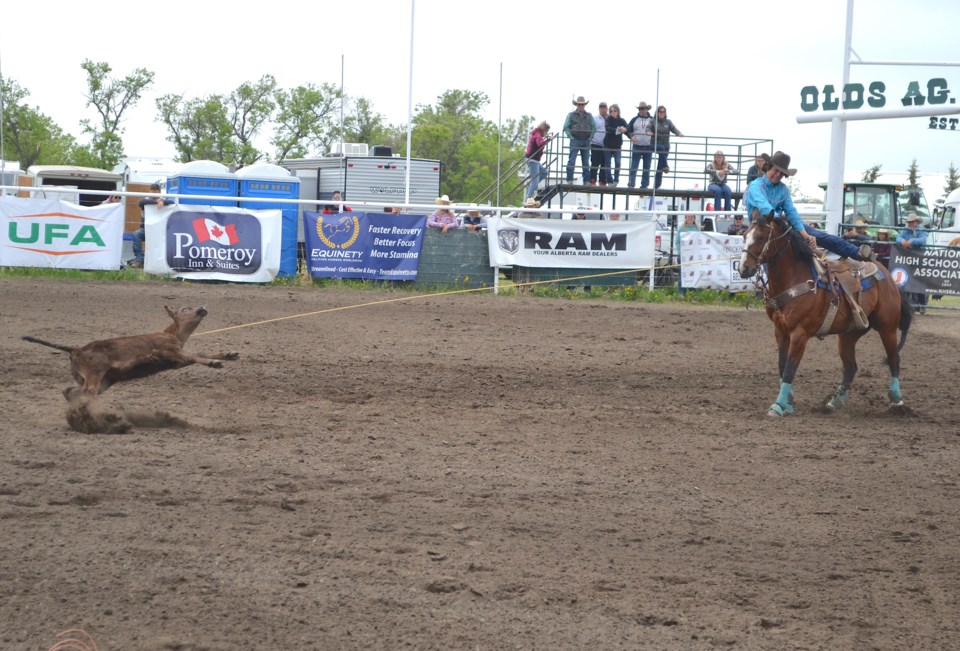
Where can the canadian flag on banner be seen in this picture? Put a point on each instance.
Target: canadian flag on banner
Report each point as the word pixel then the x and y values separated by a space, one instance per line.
pixel 207 229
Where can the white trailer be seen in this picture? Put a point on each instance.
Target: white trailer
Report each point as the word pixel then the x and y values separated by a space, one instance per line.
pixel 380 180
pixel 68 182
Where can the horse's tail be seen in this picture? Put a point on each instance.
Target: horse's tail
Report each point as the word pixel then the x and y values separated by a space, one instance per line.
pixel 906 317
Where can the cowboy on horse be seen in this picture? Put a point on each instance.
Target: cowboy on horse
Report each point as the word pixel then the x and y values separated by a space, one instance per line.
pixel 768 195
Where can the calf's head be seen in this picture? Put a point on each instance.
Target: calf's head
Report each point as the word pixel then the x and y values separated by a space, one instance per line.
pixel 185 321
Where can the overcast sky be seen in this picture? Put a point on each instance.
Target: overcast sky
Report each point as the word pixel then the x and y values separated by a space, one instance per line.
pixel 732 69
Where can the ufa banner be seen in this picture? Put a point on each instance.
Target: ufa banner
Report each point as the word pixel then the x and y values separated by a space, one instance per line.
pixel 934 270
pixel 61 235
pixel 709 260
pixel 571 244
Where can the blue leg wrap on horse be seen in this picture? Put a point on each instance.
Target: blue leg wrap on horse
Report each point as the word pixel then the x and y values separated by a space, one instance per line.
pixel 785 399
pixel 894 393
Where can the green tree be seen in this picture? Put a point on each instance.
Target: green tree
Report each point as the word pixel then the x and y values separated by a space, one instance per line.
pixel 913 173
pixel 871 175
pixel 363 124
pixel 953 179
pixel 249 107
pixel 29 135
pixel 110 97
pixel 306 119
pixel 199 128
pixel 453 132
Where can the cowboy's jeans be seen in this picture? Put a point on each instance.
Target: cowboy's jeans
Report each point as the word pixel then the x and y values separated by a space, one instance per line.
pixel 646 153
pixel 581 146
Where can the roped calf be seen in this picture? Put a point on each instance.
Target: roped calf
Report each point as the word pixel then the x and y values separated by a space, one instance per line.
pixel 100 364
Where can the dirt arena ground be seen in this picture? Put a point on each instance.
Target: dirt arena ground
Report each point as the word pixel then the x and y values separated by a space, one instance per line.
pixel 472 472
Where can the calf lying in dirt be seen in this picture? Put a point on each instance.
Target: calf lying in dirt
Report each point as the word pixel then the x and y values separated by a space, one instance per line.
pixel 100 364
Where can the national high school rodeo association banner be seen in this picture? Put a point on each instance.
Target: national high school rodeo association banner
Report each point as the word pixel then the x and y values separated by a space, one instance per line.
pixel 931 269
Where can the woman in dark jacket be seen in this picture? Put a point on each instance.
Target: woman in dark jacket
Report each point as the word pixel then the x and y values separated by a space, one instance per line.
pixel 662 128
pixel 613 141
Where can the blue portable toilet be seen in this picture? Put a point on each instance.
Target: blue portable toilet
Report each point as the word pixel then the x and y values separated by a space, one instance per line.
pixel 267 181
pixel 204 177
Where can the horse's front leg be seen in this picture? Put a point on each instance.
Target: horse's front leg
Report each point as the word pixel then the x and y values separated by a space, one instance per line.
pixel 847 343
pixel 796 345
pixel 783 347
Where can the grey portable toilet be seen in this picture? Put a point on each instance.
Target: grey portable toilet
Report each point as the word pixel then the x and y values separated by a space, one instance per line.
pixel 207 178
pixel 268 181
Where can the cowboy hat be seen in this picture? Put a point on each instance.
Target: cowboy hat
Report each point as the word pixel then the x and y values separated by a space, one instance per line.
pixel 580 100
pixel 913 217
pixel 781 161
pixel 445 200
pixel 644 105
pixel 531 203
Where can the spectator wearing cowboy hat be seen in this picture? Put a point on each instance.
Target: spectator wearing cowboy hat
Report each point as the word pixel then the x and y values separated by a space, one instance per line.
pixel 640 128
pixel 530 203
pixel 473 221
pixel 915 238
pixel 443 217
pixel 579 127
pixel 770 197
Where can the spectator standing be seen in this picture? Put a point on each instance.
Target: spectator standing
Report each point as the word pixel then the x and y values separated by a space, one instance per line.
pixel 138 237
pixel 662 128
pixel 473 221
pixel 771 197
pixel 599 162
pixel 737 227
pixel 913 237
pixel 334 208
pixel 579 128
pixel 536 144
pixel 615 127
pixel 756 170
pixel 640 129
pixel 530 203
pixel 718 170
pixel 858 234
pixel 882 247
pixel 443 218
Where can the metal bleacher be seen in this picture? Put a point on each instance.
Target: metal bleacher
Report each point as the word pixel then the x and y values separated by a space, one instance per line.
pixel 683 187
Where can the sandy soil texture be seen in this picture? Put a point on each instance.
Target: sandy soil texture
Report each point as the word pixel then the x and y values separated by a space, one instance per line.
pixel 471 472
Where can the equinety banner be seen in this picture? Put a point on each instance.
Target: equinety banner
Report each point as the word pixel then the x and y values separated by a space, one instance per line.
pixel 572 244
pixel 373 246
pixel 60 235
pixel 212 243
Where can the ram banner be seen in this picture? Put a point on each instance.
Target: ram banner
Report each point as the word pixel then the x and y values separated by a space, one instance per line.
pixel 212 243
pixel 60 235
pixel 571 244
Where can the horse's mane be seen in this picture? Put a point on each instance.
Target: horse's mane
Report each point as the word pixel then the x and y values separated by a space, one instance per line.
pixel 801 250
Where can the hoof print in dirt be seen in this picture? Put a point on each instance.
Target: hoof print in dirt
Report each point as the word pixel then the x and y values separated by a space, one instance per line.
pixel 445 584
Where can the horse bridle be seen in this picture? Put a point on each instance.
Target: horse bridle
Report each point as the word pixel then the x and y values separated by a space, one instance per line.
pixel 762 257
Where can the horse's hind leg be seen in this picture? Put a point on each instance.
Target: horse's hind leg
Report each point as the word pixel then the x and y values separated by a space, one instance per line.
pixel 847 343
pixel 889 339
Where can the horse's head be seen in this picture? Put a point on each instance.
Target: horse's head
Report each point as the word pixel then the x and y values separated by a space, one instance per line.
pixel 766 239
pixel 756 241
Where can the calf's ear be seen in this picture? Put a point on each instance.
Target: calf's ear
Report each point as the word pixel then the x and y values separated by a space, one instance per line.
pixel 169 311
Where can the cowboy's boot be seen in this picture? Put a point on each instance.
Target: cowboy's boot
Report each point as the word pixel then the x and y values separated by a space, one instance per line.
pixel 867 254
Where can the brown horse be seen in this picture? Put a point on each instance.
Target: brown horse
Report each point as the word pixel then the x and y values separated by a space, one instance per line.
pixel 801 304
